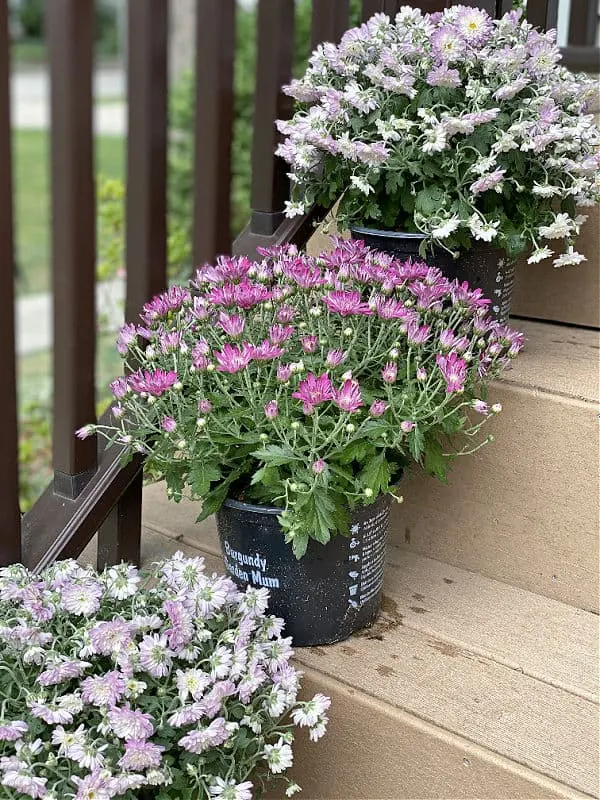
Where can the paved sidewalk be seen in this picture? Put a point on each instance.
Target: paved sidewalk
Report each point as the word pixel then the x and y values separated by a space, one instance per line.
pixel 34 316
pixel 30 100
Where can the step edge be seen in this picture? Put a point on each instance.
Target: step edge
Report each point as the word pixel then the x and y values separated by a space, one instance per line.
pixel 438 731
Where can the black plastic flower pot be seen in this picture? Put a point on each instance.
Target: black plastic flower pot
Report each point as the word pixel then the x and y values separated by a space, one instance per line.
pixel 327 595
pixel 483 266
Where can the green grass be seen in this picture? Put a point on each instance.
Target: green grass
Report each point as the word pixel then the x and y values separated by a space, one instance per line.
pixel 28 51
pixel 32 201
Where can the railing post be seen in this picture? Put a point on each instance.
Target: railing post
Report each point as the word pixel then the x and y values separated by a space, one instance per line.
pixel 10 518
pixel 213 131
pixel 70 27
pixel 270 185
pixel 329 20
pixel 119 537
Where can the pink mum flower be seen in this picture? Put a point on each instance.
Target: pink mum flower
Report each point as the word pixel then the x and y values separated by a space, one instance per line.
pixel 335 358
pixel 279 334
pixel 232 325
pixel 128 723
pixel 271 409
pixel 11 731
pixel 154 383
pixel 346 304
pixel 313 390
pixel 378 408
pixel 454 370
pixel 232 359
pixel 348 398
pixel 390 372
pixel 309 343
pixel 140 754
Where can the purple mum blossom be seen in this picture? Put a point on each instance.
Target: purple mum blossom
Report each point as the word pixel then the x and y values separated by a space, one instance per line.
pixel 153 383
pixel 127 723
pixel 161 305
pixel 286 314
pixel 389 308
pixel 346 304
pixel 474 26
pixel 205 406
pixel 348 398
pixel 454 370
pixel 127 336
pixel 309 343
pixel 82 599
pixel 443 76
pixel 103 690
pixel 417 334
pixel 168 424
pixel 232 359
pixel 200 740
pixel 284 372
pixel 24 783
pixel 141 754
pixel 171 341
pixel 480 406
pixel 318 466
pixel 279 334
pixel 182 625
pixel 472 298
pixel 378 408
pixel 335 358
pixel 97 785
pixel 232 325
pixel 428 297
pixel 481 117
pixel 390 372
pixel 487 182
pixel 509 90
pixel 265 351
pixel 119 387
pixel 312 391
pixel 111 636
pixel 11 731
pixel 271 409
pixel 62 671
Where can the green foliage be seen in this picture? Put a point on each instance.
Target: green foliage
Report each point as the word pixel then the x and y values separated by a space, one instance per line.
pixel 31 18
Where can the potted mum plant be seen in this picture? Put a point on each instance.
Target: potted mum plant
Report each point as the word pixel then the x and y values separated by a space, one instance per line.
pixel 169 684
pixel 451 134
pixel 289 395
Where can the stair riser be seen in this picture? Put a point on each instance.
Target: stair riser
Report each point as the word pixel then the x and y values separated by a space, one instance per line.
pixel 565 294
pixel 374 751
pixel 525 508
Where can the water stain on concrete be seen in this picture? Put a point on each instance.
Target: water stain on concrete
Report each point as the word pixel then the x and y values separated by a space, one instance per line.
pixel 389 618
pixel 318 651
pixel 407 535
pixel 419 610
pixel 418 596
pixel 384 671
pixel 448 580
pixel 447 649
pixel 348 651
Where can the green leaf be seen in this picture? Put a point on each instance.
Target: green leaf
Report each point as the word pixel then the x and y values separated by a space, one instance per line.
pixel 202 474
pixel 416 443
pixel 318 509
pixel 430 200
pixel 435 461
pixel 275 455
pixel 213 501
pixel 300 543
pixel 376 474
pixel 267 475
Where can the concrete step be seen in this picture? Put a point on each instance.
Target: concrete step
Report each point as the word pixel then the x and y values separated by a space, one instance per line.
pixel 524 509
pixel 465 687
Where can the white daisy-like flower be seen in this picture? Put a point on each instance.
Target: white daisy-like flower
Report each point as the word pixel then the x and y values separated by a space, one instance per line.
pixel 362 184
pixel 278 756
pixel 311 712
pixel 435 140
pixel 122 581
pixel 568 258
pixel 545 190
pixel 230 790
pixel 539 255
pixel 292 789
pixel 483 231
pixel 192 683
pixel 559 229
pixel 445 228
pixel 294 209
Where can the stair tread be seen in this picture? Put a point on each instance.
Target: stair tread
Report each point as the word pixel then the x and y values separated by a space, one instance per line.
pixel 507 669
pixel 557 359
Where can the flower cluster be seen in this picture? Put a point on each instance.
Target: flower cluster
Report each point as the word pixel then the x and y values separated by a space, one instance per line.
pixel 169 681
pixel 307 383
pixel 452 124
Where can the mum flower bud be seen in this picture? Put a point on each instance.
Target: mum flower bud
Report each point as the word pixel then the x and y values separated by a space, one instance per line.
pixel 348 331
pixel 295 425
pixel 182 444
pixel 271 409
pixel 496 408
pixel 168 424
pixel 318 466
pixel 263 437
pixel 200 422
pixel 421 374
pixel 368 492
pixel 394 353
pixel 350 428
pixel 406 426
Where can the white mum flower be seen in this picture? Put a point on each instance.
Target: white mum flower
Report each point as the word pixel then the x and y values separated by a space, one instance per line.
pixel 445 228
pixel 539 255
pixel 279 756
pixel 294 209
pixel 435 140
pixel 545 190
pixel 483 231
pixel 561 227
pixel 361 184
pixel 568 258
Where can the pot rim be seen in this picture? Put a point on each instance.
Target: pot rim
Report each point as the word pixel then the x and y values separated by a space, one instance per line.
pixel 387 234
pixel 240 505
